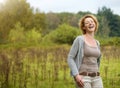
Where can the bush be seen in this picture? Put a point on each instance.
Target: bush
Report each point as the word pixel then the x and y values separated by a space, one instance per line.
pixel 17 34
pixel 109 41
pixel 63 34
pixel 33 36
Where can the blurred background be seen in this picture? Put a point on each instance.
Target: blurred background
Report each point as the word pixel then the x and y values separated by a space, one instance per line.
pixel 36 35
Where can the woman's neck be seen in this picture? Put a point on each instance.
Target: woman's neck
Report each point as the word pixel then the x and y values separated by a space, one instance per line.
pixel 90 35
pixel 90 40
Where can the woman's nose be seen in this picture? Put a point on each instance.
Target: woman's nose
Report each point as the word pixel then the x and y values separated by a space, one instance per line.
pixel 90 23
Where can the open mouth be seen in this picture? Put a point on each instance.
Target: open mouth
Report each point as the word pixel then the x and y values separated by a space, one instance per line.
pixel 92 26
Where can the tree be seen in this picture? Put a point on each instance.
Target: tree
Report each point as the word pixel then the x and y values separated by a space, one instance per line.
pixel 113 20
pixel 52 20
pixel 73 21
pixel 14 11
pixel 39 21
pixel 103 29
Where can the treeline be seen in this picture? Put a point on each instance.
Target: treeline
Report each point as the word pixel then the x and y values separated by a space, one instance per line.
pixel 19 22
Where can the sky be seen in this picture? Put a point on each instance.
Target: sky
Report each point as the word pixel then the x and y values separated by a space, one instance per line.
pixel 75 6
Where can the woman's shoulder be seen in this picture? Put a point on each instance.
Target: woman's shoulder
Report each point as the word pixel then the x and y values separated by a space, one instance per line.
pixel 80 37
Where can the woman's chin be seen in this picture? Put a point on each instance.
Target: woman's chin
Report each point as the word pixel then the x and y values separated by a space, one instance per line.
pixel 91 29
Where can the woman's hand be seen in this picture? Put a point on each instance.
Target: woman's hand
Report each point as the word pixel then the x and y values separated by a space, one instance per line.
pixel 79 80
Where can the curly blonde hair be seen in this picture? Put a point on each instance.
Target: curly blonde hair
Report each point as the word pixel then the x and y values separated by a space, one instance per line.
pixel 82 24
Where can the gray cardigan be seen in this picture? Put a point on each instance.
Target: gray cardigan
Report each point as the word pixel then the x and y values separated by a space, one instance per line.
pixel 75 55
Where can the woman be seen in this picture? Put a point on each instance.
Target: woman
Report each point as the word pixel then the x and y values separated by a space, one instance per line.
pixel 84 55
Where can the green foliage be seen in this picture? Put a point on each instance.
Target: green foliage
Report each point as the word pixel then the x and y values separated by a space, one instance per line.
pixel 113 20
pixel 103 29
pixel 52 21
pixel 106 41
pixel 63 34
pixel 39 22
pixel 46 67
pixel 69 18
pixel 33 36
pixel 14 11
pixel 17 34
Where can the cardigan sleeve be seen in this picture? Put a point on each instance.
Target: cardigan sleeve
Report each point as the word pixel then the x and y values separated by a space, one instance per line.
pixel 99 58
pixel 72 56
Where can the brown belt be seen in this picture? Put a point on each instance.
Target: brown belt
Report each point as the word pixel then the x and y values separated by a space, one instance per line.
pixel 93 74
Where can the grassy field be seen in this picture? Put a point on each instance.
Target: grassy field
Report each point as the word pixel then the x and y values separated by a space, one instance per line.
pixel 46 67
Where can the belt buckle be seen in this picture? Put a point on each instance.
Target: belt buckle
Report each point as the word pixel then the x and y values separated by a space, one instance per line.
pixel 93 74
pixel 87 74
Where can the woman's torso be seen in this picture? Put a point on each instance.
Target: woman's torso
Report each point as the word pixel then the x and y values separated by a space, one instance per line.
pixel 89 62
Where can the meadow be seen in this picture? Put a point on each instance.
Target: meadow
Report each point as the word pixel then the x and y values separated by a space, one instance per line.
pixel 46 67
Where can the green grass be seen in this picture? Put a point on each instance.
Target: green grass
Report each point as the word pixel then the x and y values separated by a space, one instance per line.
pixel 110 72
pixel 46 67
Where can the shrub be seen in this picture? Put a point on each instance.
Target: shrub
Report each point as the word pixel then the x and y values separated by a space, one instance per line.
pixel 63 34
pixel 17 34
pixel 33 36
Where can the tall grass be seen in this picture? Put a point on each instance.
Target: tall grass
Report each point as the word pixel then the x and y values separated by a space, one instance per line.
pixel 46 67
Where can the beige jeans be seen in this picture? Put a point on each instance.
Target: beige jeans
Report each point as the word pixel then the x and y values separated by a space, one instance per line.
pixel 92 82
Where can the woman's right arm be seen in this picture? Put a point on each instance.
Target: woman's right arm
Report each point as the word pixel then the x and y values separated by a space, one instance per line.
pixel 71 57
pixel 71 62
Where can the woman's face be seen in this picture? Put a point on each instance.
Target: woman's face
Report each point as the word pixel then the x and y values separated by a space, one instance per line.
pixel 89 25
